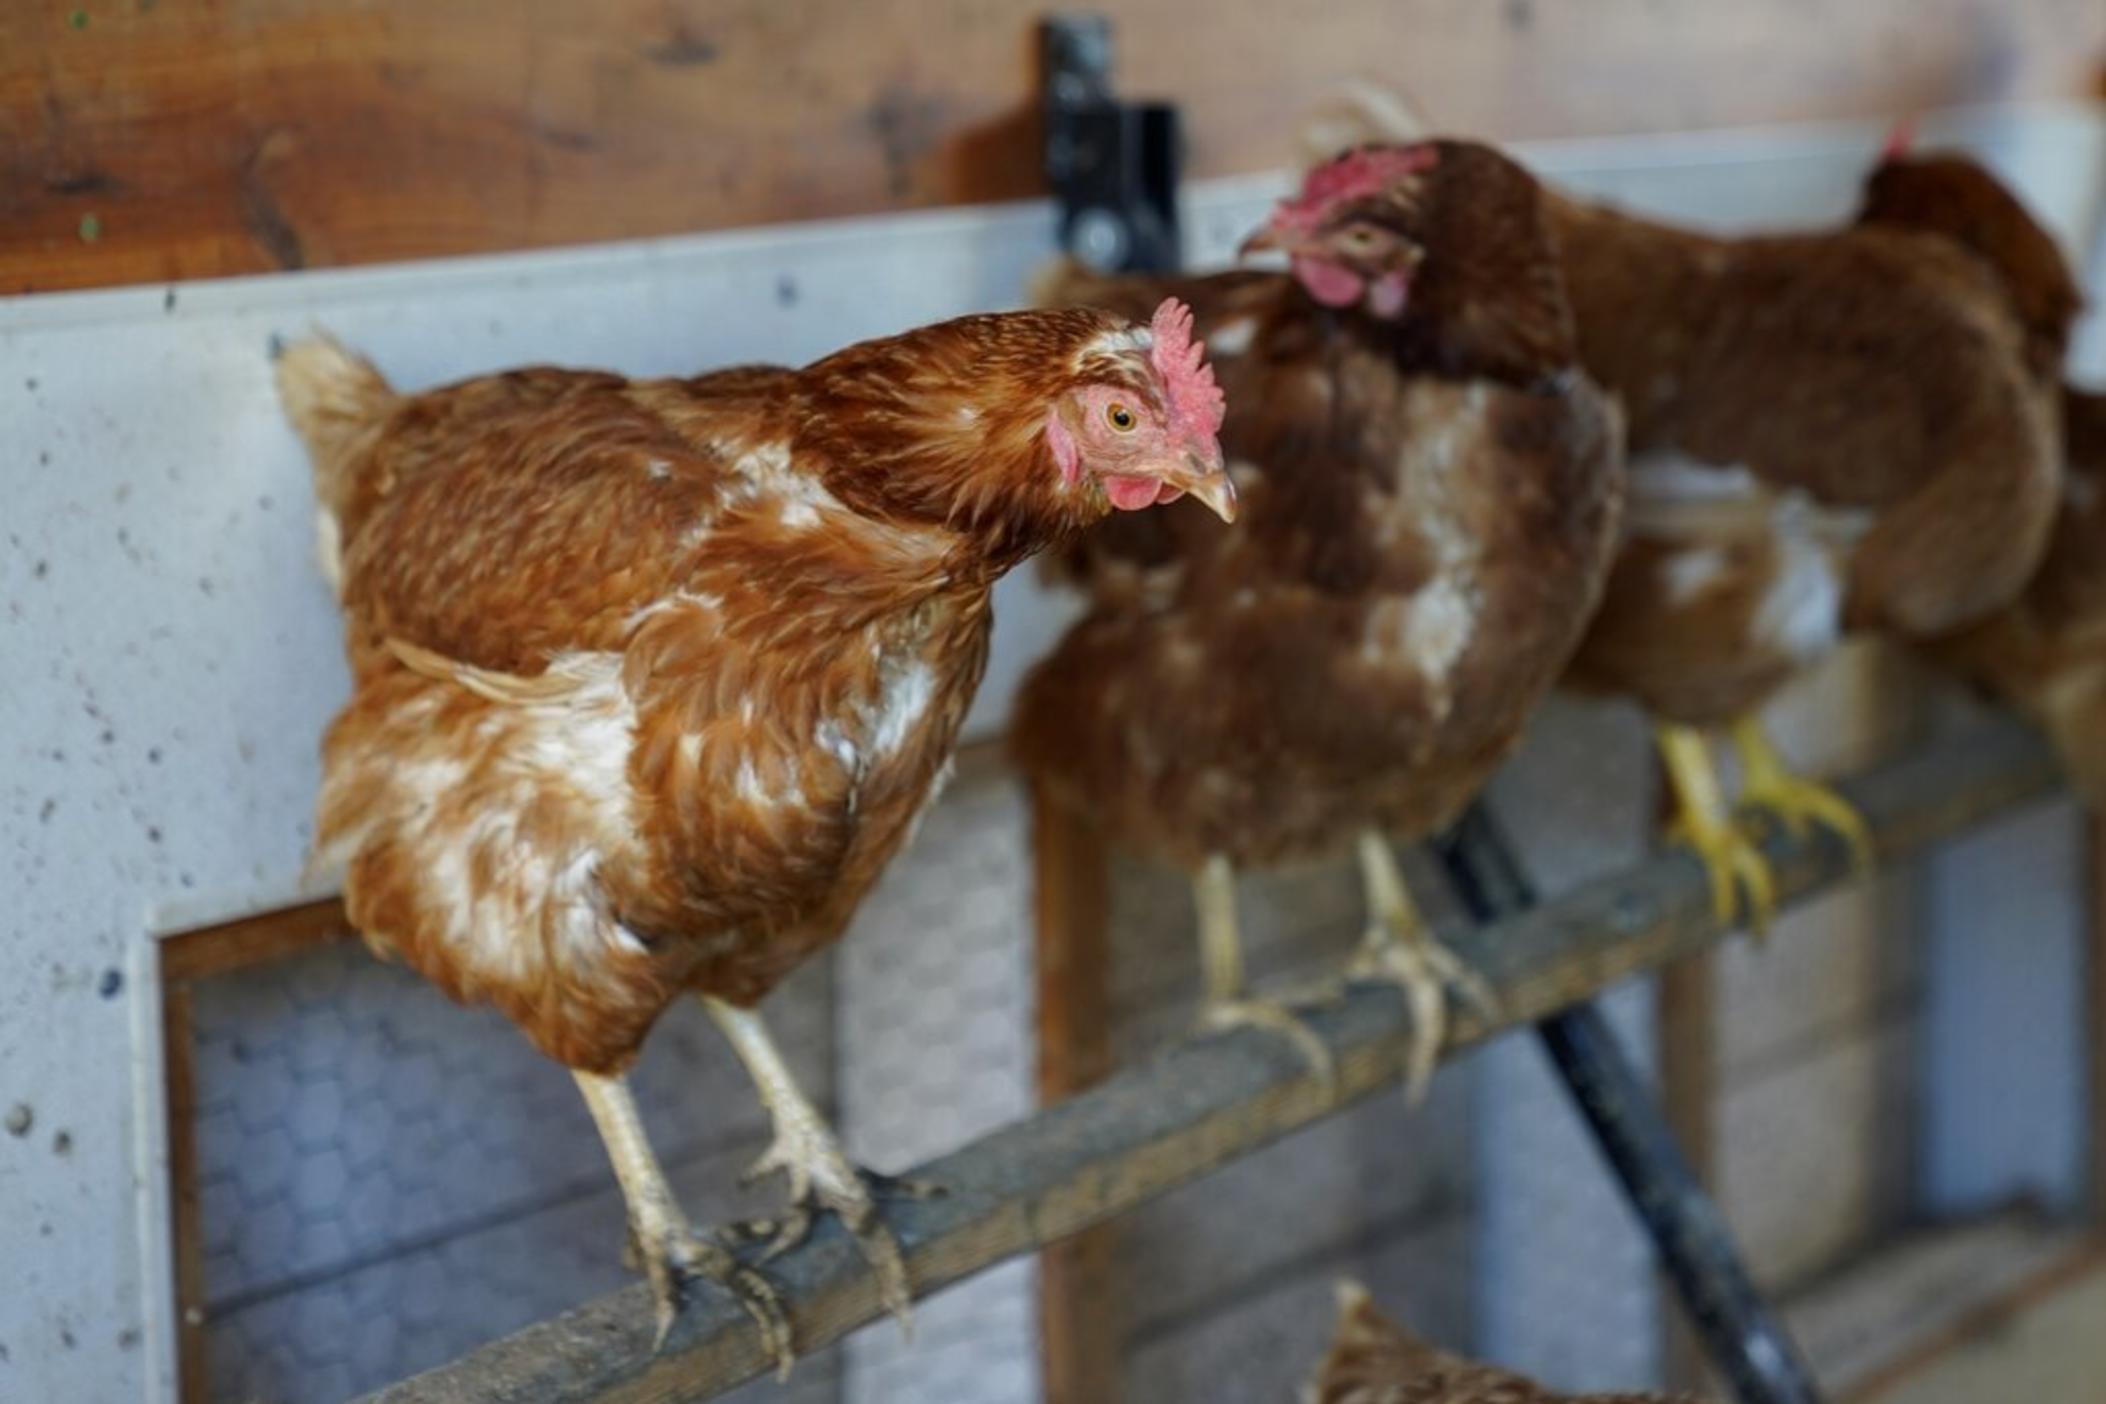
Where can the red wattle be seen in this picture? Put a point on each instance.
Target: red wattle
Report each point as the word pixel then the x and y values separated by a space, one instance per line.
pixel 1328 283
pixel 1132 494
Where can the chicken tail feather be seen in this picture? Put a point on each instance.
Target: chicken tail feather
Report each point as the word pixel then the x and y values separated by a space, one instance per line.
pixel 337 402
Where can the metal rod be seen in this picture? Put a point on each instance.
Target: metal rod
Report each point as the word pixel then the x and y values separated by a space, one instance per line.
pixel 1741 1334
pixel 1202 1103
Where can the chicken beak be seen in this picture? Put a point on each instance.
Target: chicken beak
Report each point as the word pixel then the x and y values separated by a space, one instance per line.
pixel 1206 479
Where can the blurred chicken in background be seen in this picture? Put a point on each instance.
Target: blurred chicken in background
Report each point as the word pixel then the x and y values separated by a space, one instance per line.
pixel 1372 1360
pixel 2045 654
pixel 1431 496
pixel 1833 432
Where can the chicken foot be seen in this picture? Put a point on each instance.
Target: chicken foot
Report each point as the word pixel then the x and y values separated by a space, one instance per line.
pixel 1731 859
pixel 667 1249
pixel 1400 949
pixel 822 1178
pixel 1769 784
pixel 1224 1004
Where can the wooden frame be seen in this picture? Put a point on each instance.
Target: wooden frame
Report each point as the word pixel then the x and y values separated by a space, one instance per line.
pixel 1078 1323
pixel 184 959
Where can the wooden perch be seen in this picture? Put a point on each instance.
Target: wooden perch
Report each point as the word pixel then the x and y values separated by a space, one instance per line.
pixel 1204 1102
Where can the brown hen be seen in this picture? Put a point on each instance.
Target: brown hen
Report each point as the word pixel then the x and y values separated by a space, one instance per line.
pixel 1851 430
pixel 2045 653
pixel 651 678
pixel 1372 1360
pixel 1430 495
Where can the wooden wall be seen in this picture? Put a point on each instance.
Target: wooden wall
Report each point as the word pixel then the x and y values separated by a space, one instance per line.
pixel 149 140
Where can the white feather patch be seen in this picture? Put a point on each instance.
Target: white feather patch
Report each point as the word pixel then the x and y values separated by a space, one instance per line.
pixel 329 549
pixel 903 700
pixel 1689 574
pixel 1431 628
pixel 1232 338
pixel 1118 341
pixel 1801 614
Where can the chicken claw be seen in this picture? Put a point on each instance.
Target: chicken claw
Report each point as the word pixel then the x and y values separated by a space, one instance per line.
pixel 660 1242
pixel 1225 1005
pixel 1730 858
pixel 1768 784
pixel 823 1180
pixel 1736 869
pixel 805 1151
pixel 1400 949
pixel 683 1254
pixel 1224 1015
pixel 785 1231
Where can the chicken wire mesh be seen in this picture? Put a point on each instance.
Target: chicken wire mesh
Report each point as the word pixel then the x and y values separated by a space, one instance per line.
pixel 387 1181
pixel 935 1008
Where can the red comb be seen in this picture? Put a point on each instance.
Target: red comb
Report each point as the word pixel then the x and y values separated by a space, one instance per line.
pixel 1197 405
pixel 1899 141
pixel 1349 177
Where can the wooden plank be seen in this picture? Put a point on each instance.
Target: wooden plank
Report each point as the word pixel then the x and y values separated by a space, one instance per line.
pixel 1079 1336
pixel 1688 1042
pixel 1895 1309
pixel 2095 1015
pixel 179 1063
pixel 143 141
pixel 2000 1325
pixel 256 940
pixel 1686 1037
pixel 1203 1102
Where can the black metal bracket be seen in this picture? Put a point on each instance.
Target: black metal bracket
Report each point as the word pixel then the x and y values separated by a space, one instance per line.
pixel 1741 1332
pixel 1113 165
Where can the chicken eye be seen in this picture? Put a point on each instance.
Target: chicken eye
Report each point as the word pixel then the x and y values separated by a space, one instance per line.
pixel 1360 237
pixel 1120 417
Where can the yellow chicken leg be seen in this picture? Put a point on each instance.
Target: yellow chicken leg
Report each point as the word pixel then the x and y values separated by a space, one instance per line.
pixel 1401 949
pixel 1225 1005
pixel 1768 783
pixel 666 1248
pixel 1730 858
pixel 805 1151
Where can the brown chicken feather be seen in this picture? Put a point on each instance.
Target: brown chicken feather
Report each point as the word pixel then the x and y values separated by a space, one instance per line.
pixel 1850 430
pixel 1371 1360
pixel 2045 653
pixel 1430 501
pixel 651 678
